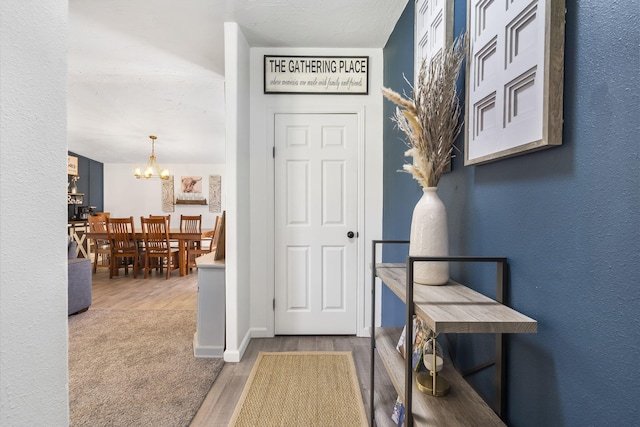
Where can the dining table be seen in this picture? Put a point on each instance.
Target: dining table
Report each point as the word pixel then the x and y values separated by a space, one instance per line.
pixel 182 237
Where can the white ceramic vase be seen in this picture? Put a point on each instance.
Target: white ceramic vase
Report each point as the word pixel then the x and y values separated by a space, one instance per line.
pixel 430 237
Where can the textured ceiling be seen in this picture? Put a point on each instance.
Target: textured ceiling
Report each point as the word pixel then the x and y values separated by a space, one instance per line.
pixel 156 67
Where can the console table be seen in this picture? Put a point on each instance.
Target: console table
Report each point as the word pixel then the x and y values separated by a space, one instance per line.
pixel 452 308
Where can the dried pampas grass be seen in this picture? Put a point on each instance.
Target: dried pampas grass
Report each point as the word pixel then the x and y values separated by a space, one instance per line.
pixel 430 120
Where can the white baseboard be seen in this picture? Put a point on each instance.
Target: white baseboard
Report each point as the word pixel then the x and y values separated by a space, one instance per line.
pixel 210 351
pixel 260 333
pixel 236 355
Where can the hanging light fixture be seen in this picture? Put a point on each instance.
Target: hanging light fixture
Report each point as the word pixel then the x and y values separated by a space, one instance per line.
pixel 152 170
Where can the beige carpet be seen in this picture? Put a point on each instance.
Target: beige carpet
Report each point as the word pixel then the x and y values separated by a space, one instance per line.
pixel 301 389
pixel 136 368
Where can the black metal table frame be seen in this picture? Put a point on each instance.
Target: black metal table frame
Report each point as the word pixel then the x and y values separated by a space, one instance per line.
pixel 500 360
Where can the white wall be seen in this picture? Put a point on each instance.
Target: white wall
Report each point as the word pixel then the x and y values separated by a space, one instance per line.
pixel 369 109
pixel 33 213
pixel 125 195
pixel 238 231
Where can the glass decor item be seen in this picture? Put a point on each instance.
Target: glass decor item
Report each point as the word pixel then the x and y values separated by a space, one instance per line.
pixel 432 352
pixel 431 382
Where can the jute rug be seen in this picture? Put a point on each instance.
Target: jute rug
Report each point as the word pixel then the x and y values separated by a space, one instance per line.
pixel 301 389
pixel 136 368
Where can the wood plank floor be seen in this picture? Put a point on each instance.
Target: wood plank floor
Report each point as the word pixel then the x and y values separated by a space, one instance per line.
pixel 180 293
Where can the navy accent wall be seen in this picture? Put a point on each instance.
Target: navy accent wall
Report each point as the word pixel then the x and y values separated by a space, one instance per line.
pixel 400 190
pixel 568 219
pixel 90 183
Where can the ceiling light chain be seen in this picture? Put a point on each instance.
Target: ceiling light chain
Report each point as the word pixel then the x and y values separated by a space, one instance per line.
pixel 152 170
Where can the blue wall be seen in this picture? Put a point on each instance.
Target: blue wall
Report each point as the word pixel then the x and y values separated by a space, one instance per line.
pixel 90 183
pixel 400 191
pixel 568 219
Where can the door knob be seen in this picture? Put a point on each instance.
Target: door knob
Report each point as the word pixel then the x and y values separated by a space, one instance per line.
pixel 350 234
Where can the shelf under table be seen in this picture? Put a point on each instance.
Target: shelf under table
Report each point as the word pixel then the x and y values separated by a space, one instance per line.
pixel 461 407
pixel 454 308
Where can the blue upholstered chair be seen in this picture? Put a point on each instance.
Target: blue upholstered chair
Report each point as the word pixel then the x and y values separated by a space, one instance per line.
pixel 79 281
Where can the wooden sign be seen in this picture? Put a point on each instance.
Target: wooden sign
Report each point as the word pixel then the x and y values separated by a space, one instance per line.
pixel 343 75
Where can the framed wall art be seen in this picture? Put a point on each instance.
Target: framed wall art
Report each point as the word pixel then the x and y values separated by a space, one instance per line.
pixel 433 26
pixel 191 184
pixel 72 165
pixel 167 195
pixel 514 78
pixel 433 29
pixel 215 193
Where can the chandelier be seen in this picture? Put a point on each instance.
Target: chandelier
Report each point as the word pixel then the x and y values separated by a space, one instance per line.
pixel 152 170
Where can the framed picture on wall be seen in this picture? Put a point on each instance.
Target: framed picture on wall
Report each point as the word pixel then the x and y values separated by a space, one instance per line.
pixel 433 29
pixel 215 193
pixel 191 184
pixel 167 195
pixel 514 78
pixel 433 24
pixel 72 165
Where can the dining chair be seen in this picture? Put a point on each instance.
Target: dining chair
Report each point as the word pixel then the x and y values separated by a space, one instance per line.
pixel 174 243
pixel 155 232
pixel 101 247
pixel 192 224
pixel 122 239
pixel 219 237
pixel 211 237
pixel 167 216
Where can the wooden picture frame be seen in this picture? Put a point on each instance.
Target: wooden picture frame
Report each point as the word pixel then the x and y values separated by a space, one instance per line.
pixel 514 78
pixel 433 30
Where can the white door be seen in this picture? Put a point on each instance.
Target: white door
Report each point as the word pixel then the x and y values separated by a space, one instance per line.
pixel 316 200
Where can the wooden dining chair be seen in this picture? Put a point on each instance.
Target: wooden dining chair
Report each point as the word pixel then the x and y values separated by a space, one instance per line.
pixel 124 246
pixel 192 224
pixel 155 232
pixel 194 252
pixel 101 247
pixel 174 243
pixel 213 237
pixel 167 216
pixel 219 237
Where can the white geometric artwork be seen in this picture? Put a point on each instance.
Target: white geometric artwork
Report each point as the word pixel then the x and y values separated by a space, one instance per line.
pixel 514 77
pixel 433 29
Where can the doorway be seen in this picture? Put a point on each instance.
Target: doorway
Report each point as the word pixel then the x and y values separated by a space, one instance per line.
pixel 316 223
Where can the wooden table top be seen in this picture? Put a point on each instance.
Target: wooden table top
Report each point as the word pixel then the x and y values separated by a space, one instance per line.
pixel 454 307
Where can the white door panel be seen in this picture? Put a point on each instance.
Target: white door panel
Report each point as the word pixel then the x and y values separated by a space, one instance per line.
pixel 315 207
